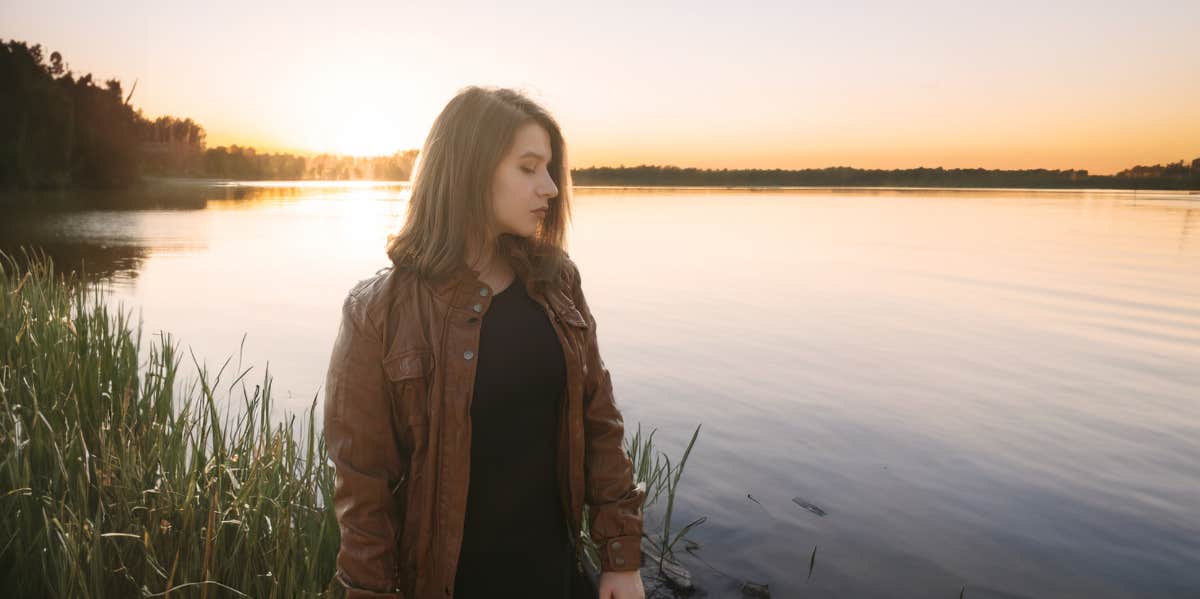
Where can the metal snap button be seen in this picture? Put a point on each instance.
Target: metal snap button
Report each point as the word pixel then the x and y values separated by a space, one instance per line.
pixel 620 561
pixel 468 354
pixel 483 291
pixel 616 544
pixel 477 307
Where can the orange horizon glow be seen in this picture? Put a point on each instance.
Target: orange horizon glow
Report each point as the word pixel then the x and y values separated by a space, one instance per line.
pixel 761 158
pixel 784 86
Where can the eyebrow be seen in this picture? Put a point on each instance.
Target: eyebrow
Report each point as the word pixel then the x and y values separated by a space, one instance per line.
pixel 534 154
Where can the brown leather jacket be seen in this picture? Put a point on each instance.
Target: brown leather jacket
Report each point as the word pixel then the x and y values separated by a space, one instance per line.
pixel 398 429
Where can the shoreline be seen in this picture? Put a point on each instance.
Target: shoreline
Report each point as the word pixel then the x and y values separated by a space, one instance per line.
pixel 186 181
pixel 214 182
pixel 192 193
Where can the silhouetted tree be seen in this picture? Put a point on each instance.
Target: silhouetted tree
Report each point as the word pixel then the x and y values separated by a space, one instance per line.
pixel 1171 176
pixel 57 130
pixel 172 147
pixel 36 120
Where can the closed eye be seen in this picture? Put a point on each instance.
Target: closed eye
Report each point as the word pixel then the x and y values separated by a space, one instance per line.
pixel 527 170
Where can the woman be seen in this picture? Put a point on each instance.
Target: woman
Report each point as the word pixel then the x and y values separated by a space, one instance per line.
pixel 467 410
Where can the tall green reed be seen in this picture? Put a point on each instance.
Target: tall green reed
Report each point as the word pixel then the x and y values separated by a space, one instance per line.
pixel 653 470
pixel 661 476
pixel 117 481
pixel 114 483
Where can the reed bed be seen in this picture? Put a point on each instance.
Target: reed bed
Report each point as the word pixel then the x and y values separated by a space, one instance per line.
pixel 116 480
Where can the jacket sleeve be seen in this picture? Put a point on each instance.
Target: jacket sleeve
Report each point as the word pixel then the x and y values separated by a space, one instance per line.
pixel 614 501
pixel 366 458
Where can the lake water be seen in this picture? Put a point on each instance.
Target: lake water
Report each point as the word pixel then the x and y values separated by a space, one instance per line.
pixel 998 389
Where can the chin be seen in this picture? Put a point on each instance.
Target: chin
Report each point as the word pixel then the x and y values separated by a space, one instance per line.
pixel 515 232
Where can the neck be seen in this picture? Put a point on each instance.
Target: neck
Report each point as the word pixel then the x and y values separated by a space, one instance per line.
pixel 483 259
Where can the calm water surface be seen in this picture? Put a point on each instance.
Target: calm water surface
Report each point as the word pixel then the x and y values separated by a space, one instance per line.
pixel 996 389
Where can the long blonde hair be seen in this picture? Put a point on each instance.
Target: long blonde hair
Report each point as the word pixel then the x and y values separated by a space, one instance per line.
pixel 452 188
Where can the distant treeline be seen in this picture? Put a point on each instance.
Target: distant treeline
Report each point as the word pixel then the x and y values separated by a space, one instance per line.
pixel 1176 175
pixel 236 162
pixel 59 131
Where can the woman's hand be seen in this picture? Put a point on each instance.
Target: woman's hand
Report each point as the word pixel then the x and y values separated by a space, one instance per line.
pixel 622 585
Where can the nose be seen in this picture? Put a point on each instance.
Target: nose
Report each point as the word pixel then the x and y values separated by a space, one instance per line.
pixel 547 189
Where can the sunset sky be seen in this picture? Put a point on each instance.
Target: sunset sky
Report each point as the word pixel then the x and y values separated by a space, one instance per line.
pixel 1092 85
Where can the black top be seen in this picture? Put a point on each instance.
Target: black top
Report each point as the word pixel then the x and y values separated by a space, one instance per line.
pixel 515 541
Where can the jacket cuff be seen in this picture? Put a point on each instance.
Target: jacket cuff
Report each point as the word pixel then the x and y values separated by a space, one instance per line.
pixel 356 592
pixel 621 554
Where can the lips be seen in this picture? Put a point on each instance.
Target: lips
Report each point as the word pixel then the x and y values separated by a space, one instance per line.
pixel 540 211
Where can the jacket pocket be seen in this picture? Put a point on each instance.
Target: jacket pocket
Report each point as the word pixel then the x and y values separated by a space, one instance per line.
pixel 576 326
pixel 408 364
pixel 577 332
pixel 566 309
pixel 408 376
pixel 572 316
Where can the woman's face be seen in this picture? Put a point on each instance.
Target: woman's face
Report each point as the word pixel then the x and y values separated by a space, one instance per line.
pixel 522 187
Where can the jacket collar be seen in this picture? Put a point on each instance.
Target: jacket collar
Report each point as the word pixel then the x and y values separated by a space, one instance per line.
pixel 464 282
pixel 460 289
